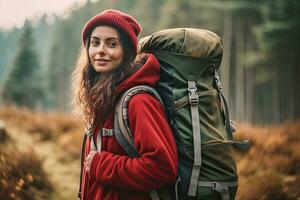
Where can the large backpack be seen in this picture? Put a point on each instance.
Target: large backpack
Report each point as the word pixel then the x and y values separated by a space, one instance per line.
pixel 190 91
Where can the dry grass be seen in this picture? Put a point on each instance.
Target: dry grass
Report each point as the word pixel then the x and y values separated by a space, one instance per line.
pixel 38 148
pixel 58 127
pixel 47 125
pixel 271 168
pixel 22 176
pixel 4 137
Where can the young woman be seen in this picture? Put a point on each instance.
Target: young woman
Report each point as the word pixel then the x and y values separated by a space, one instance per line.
pixel 107 66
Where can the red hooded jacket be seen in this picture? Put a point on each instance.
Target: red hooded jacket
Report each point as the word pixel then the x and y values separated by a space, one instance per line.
pixel 113 174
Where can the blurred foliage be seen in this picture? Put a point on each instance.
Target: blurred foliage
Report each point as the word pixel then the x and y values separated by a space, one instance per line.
pixel 37 122
pixel 271 168
pixel 21 174
pixel 23 177
pixel 24 84
pixel 37 151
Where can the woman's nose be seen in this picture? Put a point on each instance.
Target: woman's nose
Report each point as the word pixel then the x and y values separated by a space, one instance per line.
pixel 101 49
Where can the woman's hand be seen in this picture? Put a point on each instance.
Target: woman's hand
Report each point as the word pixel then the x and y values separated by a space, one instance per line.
pixel 88 160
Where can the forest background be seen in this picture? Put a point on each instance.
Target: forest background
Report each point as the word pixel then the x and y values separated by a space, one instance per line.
pixel 259 73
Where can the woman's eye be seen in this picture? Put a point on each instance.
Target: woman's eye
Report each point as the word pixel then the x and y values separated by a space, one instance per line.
pixel 94 42
pixel 112 44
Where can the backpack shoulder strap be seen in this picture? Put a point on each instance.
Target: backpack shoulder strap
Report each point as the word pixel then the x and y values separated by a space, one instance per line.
pixel 121 124
pixel 123 137
pixel 86 134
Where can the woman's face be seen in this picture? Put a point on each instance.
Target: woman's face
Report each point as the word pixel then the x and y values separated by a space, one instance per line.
pixel 105 49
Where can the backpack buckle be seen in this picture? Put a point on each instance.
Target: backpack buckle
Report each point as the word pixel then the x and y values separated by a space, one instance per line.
pixel 193 96
pixel 217 81
pixel 214 185
pixel 88 131
pixel 107 132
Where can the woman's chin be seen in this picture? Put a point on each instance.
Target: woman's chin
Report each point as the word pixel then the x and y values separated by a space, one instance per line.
pixel 101 69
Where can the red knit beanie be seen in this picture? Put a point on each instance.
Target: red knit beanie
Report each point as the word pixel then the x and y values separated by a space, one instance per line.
pixel 116 19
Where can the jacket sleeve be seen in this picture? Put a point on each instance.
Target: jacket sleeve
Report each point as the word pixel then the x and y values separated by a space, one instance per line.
pixel 157 164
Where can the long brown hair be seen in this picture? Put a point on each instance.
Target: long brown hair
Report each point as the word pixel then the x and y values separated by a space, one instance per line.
pixel 94 94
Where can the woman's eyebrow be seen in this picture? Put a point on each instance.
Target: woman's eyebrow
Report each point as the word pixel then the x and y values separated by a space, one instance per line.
pixel 110 38
pixel 94 37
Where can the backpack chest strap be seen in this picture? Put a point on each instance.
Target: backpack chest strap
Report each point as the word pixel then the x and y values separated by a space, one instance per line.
pixel 107 132
pixel 102 132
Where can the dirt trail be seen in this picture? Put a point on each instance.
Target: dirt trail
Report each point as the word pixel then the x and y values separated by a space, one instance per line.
pixel 63 172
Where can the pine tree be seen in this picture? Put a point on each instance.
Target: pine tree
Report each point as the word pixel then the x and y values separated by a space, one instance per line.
pixel 23 82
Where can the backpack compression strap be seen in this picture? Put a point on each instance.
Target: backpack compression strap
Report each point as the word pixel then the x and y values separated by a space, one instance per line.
pixel 243 145
pixel 221 187
pixel 194 101
pixel 122 130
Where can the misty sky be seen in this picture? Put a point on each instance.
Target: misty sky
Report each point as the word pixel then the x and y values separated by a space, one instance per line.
pixel 15 12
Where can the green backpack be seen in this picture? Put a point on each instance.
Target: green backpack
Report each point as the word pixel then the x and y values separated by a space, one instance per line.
pixel 190 91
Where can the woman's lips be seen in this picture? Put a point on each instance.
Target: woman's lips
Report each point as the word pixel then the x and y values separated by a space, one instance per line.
pixel 101 61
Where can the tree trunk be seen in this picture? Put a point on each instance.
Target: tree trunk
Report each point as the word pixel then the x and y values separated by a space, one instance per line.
pixel 275 101
pixel 239 72
pixel 295 86
pixel 225 66
pixel 248 80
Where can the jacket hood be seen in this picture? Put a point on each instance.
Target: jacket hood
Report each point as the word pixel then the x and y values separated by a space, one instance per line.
pixel 148 74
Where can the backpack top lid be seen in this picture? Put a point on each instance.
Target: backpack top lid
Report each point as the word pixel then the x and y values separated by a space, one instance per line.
pixel 184 48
